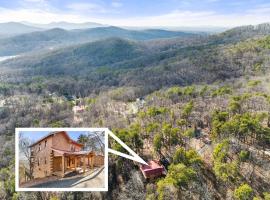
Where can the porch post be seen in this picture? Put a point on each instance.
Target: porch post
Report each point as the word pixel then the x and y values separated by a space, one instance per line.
pixel 63 165
pixel 92 162
pixel 84 159
pixel 75 162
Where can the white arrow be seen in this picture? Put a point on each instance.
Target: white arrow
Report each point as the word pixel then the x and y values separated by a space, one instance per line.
pixel 134 156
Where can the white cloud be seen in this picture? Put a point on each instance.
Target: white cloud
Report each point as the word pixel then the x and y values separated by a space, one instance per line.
pixel 190 18
pixel 37 16
pixel 35 4
pixel 212 1
pixel 117 4
pixel 36 1
pixel 86 12
pixel 264 8
pixel 89 7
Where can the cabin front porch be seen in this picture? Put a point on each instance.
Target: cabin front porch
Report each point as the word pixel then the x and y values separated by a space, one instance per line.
pixel 65 163
pixel 72 171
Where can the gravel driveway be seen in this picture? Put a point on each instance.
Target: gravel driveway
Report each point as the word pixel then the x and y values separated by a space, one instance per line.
pixel 93 180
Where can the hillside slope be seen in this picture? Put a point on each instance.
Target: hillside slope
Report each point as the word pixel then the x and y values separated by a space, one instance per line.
pixel 150 65
pixel 202 103
pixel 55 38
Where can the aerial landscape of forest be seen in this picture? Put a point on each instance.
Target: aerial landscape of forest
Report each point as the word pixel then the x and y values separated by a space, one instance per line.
pixel 194 103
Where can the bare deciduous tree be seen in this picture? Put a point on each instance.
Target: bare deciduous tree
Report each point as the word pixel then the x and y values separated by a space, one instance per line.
pixel 24 144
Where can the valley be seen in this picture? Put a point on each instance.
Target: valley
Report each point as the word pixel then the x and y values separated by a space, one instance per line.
pixel 200 101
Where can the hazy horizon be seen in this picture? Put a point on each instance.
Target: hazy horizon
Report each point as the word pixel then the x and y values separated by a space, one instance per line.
pixel 159 13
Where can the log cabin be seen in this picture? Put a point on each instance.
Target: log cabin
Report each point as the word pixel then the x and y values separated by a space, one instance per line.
pixel 57 154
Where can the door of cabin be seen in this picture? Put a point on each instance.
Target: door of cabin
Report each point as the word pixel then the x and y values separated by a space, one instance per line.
pixel 70 162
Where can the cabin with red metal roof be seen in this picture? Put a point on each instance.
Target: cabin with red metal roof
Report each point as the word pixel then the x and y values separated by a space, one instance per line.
pixel 154 169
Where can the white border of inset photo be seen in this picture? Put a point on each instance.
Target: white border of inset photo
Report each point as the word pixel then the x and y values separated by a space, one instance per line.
pixel 60 189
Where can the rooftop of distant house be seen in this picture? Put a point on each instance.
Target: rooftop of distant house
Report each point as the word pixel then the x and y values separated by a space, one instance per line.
pixel 153 169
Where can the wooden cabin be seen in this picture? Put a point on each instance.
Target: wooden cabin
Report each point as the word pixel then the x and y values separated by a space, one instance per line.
pixel 58 154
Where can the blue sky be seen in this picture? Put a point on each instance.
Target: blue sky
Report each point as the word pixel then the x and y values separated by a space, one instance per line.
pixel 225 13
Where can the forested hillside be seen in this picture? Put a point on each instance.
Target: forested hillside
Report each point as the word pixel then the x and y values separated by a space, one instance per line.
pixel 57 37
pixel 116 62
pixel 202 102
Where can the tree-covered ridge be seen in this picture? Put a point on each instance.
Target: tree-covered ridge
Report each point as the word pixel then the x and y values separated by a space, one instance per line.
pixel 168 124
pixel 204 106
pixel 243 125
pixel 118 62
pixel 57 37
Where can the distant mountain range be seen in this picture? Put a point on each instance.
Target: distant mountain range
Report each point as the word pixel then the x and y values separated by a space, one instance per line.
pixel 55 38
pixel 156 63
pixel 15 28
pixel 190 29
pixel 66 25
pixel 93 54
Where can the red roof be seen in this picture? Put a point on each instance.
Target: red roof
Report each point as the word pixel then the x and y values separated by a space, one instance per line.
pixel 78 108
pixel 57 132
pixel 153 169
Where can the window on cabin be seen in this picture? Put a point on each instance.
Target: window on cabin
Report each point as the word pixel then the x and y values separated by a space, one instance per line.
pixel 45 143
pixel 39 147
pixel 45 160
pixel 72 148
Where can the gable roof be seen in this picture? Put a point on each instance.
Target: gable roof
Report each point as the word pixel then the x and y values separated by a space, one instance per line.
pixel 52 134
